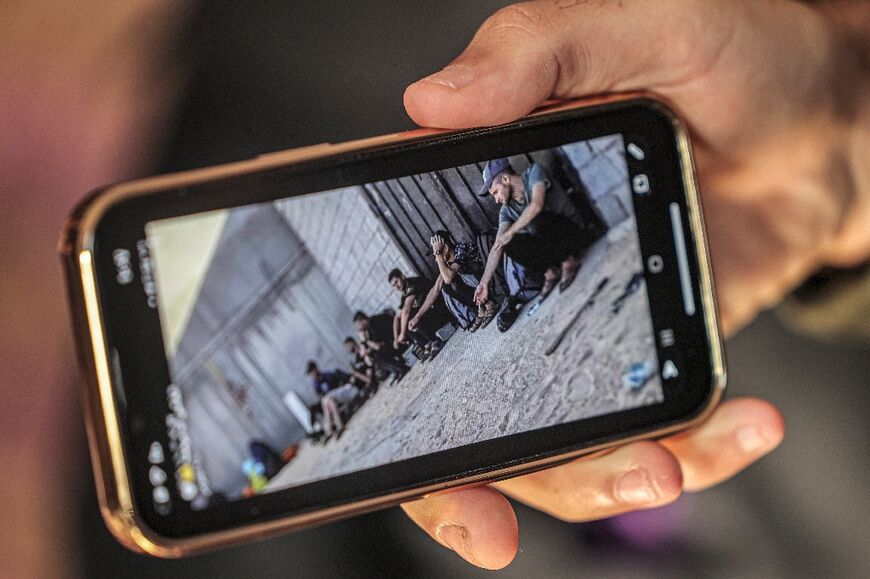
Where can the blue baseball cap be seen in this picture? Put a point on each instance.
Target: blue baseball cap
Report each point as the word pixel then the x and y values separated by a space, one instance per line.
pixel 491 170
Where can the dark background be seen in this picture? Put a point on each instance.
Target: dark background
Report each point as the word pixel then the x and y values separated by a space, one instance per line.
pixel 271 76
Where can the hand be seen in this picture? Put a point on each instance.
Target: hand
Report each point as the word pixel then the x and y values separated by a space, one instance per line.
pixel 481 293
pixel 769 91
pixel 505 238
pixel 437 244
pixel 413 322
pixel 397 343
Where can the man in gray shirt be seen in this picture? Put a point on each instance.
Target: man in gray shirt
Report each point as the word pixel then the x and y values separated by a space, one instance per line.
pixel 537 229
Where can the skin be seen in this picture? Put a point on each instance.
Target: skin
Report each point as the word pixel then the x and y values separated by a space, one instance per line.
pixel 771 91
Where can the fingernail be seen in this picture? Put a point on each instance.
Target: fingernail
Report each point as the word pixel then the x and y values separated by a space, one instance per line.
pixel 455 76
pixel 636 487
pixel 456 537
pixel 751 439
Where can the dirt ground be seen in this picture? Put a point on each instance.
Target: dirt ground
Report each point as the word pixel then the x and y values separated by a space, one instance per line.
pixel 489 384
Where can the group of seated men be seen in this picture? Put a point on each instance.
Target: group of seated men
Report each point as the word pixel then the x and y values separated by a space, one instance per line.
pixel 540 242
pixel 372 358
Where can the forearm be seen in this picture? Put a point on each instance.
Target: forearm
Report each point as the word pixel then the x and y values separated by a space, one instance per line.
pixel 492 263
pixel 526 217
pixel 431 297
pixel 447 274
pixel 405 316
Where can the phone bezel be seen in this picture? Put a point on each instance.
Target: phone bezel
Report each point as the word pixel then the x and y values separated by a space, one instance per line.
pixel 110 219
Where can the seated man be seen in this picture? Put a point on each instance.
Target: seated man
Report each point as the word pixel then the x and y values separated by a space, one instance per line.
pixel 537 229
pixel 459 273
pixel 413 292
pixel 362 367
pixel 334 389
pixel 376 338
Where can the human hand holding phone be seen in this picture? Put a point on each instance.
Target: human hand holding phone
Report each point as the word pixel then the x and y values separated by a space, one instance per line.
pixel 770 93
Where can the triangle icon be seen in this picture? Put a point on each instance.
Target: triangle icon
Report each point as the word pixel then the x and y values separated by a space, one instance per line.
pixel 669 370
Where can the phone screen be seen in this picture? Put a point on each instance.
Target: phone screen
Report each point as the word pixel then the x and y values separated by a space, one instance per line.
pixel 333 332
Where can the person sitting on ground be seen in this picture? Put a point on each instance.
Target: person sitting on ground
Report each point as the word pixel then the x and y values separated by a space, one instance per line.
pixel 459 272
pixel 414 291
pixel 362 367
pixel 537 229
pixel 376 338
pixel 334 390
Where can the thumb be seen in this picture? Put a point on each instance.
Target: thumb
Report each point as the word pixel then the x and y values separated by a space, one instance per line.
pixel 527 53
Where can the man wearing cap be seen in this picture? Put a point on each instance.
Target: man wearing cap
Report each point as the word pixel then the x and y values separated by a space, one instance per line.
pixel 537 229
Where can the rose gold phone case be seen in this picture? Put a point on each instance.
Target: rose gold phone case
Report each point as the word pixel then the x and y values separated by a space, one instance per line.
pixel 99 398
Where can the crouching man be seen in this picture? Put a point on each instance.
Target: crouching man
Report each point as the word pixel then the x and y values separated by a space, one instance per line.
pixel 459 273
pixel 537 230
pixel 413 292
pixel 376 337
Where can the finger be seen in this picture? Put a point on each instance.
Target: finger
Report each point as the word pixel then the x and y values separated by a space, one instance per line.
pixel 636 476
pixel 738 433
pixel 529 52
pixel 478 523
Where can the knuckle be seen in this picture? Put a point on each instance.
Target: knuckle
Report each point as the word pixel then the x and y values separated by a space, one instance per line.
pixel 527 19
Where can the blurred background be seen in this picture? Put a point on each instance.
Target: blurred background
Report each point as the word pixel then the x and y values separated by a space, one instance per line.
pixel 101 91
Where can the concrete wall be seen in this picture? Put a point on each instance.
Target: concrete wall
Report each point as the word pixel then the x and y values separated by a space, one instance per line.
pixel 601 165
pixel 349 244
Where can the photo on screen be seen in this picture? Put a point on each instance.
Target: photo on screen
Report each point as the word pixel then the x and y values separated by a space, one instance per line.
pixel 332 332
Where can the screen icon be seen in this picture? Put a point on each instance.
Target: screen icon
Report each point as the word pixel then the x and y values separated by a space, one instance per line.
pixel 640 184
pixel 635 152
pixel 123 265
pixel 157 476
pixel 666 338
pixel 155 453
pixel 160 495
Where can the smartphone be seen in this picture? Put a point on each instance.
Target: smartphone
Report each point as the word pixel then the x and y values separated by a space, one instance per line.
pixel 322 332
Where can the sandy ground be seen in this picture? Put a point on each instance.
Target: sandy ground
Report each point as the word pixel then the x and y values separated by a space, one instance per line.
pixel 488 384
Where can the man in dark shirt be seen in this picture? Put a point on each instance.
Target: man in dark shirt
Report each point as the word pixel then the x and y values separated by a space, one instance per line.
pixel 362 366
pixel 413 291
pixel 376 337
